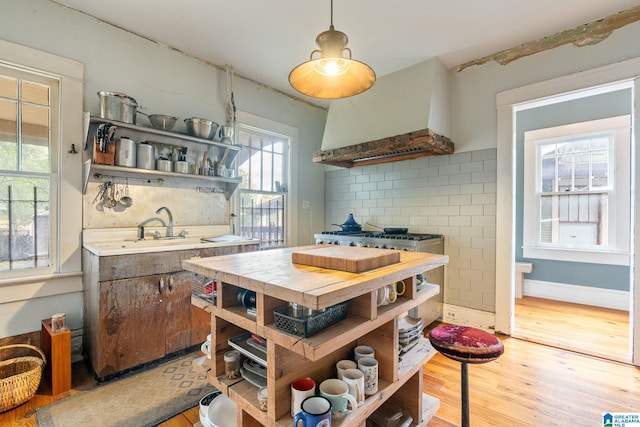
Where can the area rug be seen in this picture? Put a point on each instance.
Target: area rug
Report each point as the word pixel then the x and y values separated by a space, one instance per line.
pixel 144 399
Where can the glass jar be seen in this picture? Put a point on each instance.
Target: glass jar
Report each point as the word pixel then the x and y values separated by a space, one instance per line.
pixel 232 364
pixel 58 322
pixel 263 399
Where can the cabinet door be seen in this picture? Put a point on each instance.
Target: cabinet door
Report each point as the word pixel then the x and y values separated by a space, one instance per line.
pixel 132 319
pixel 178 310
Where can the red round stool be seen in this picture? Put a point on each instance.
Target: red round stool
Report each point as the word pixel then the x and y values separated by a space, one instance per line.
pixel 465 345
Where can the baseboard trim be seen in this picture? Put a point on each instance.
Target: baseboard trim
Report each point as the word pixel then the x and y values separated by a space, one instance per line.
pixel 599 297
pixel 458 315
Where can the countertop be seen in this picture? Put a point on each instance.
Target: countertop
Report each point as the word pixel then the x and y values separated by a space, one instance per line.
pixel 123 241
pixel 273 273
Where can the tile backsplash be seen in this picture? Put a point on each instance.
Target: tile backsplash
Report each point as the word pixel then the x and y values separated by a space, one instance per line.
pixel 453 195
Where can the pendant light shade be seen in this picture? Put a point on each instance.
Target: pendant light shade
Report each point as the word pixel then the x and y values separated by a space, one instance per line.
pixel 332 75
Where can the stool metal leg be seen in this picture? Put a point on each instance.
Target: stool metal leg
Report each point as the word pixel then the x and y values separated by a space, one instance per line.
pixel 464 374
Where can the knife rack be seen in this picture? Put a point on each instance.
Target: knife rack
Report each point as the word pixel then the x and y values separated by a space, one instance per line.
pixel 104 158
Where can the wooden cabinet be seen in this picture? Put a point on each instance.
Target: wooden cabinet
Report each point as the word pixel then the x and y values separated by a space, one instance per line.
pixel 277 281
pixel 138 307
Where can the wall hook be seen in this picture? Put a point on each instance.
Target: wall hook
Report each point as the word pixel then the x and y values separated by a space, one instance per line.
pixel 73 149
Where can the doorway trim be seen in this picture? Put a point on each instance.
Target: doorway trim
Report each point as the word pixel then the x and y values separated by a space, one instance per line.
pixel 506 104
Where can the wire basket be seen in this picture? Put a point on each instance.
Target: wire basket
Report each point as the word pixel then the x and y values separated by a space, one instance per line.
pixel 20 377
pixel 309 326
pixel 204 288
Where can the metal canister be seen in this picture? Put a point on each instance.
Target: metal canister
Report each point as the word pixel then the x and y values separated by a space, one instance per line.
pixel 126 152
pixel 146 156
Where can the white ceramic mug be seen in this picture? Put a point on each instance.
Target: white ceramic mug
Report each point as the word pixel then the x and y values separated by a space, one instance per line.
pixel 355 380
pixel 337 391
pixel 369 367
pixel 363 351
pixel 382 296
pixel 206 347
pixel 300 390
pixel 343 365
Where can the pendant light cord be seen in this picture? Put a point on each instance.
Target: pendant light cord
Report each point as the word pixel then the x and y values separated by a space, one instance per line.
pixel 331 13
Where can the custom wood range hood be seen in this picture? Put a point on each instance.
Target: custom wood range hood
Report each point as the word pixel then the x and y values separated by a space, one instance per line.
pixel 405 115
pixel 410 145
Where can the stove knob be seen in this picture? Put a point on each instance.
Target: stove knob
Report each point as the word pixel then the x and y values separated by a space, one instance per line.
pixel 319 242
pixel 392 247
pixel 383 247
pixel 377 246
pixel 362 244
pixel 352 243
pixel 337 242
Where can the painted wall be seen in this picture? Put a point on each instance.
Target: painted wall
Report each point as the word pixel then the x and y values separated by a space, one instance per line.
pixel 595 107
pixel 162 81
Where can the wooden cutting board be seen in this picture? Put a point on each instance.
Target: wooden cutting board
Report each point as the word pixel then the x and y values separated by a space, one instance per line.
pixel 347 258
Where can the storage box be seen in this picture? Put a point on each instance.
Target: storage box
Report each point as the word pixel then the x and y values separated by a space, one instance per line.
pixel 204 288
pixel 309 326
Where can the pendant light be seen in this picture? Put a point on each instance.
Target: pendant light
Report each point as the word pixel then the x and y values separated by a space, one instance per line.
pixel 332 75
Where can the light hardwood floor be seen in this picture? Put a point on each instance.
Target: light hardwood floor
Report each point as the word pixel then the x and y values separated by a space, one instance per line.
pixel 585 329
pixel 529 385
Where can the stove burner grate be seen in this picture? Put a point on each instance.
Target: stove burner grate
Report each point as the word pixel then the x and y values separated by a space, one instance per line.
pixel 408 236
pixel 342 233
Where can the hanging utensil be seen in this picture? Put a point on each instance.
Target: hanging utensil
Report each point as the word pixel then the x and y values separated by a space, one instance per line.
pixel 112 197
pixel 125 200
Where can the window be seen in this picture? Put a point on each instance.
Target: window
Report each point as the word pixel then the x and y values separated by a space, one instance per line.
pixel 577 192
pixel 28 114
pixel 262 164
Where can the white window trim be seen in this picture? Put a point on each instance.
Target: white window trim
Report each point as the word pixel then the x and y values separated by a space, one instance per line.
pixel 619 206
pixel 68 215
pixel 291 210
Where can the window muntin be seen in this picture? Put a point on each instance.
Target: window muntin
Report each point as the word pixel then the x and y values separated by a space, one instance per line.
pixel 577 192
pixel 262 164
pixel 573 190
pixel 27 111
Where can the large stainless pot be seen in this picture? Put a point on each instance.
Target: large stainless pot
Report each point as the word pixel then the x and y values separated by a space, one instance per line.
pixel 126 152
pixel 146 156
pixel 117 106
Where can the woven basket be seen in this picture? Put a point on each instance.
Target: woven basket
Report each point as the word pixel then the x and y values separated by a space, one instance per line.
pixel 20 377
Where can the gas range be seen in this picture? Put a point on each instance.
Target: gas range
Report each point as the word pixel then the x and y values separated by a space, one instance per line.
pixel 416 242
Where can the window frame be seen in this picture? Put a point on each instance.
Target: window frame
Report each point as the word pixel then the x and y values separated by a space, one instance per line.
pixel 54 84
pixel 286 141
pixel 617 251
pixel 263 124
pixel 65 276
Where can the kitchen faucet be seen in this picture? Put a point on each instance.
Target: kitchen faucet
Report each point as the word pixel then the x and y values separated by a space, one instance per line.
pixel 145 222
pixel 170 226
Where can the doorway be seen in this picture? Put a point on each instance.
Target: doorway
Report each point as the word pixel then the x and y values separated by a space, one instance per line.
pixel 573 220
pixel 508 102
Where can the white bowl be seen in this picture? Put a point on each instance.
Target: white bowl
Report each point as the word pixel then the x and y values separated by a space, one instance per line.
pixel 205 402
pixel 222 412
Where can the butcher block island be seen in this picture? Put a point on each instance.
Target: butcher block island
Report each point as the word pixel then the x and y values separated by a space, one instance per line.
pixel 278 282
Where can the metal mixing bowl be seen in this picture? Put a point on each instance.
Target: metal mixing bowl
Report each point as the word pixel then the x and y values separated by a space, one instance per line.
pixel 201 128
pixel 161 121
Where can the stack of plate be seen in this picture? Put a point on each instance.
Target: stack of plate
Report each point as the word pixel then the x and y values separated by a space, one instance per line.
pixel 409 332
pixel 254 347
pixel 254 373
